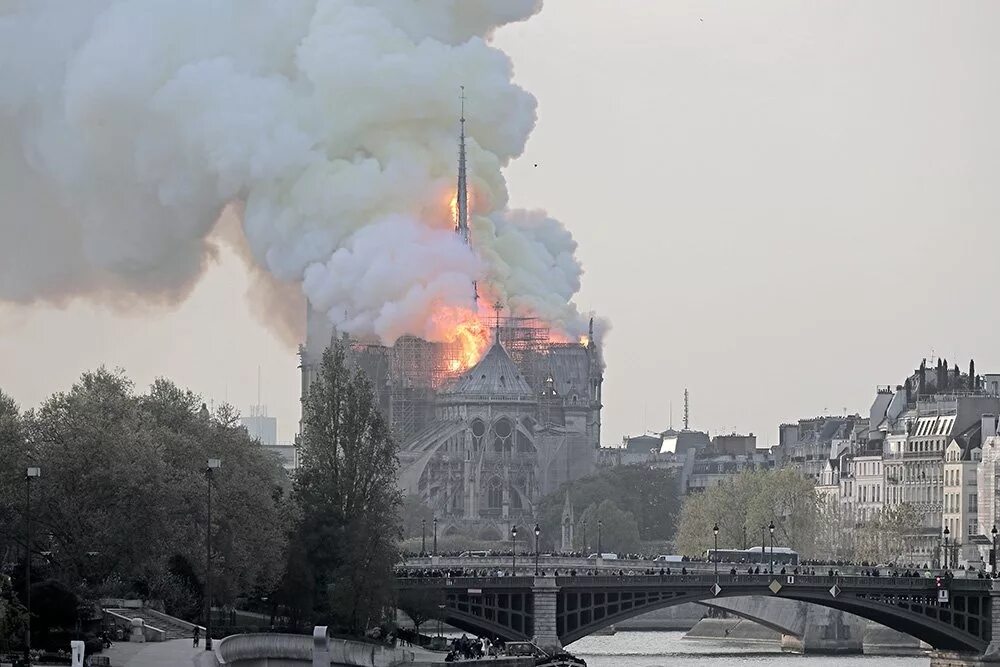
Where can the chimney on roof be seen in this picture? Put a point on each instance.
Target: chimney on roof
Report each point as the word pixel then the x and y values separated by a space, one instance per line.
pixel 989 426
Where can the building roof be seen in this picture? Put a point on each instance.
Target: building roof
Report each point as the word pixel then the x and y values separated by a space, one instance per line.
pixel 969 439
pixel 496 374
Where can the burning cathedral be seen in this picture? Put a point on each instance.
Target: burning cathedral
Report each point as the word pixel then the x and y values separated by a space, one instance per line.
pixel 484 430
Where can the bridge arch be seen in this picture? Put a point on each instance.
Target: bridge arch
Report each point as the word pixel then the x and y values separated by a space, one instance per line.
pixel 505 606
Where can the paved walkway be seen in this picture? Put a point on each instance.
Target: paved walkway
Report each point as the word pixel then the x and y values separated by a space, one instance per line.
pixel 172 653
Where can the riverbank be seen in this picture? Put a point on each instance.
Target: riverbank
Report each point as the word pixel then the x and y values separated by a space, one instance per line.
pixel 733 629
pixel 878 640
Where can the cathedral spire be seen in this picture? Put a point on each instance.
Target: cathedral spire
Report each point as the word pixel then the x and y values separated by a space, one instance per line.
pixel 462 197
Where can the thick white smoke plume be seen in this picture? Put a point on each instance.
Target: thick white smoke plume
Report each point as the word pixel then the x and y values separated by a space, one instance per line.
pixel 126 126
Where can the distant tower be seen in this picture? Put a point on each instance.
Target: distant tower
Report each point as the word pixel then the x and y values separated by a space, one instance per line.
pixel 685 409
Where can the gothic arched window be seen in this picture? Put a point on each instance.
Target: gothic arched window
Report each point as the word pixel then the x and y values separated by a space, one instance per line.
pixel 478 431
pixel 503 430
pixel 494 494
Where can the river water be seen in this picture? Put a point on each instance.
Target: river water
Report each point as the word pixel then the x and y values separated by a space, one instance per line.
pixel 665 649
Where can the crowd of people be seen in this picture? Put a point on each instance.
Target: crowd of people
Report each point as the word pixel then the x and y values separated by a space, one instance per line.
pixel 429 573
pixel 473 648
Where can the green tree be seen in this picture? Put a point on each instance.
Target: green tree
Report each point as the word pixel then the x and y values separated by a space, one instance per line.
pixel 13 616
pixel 882 538
pixel 649 494
pixel 414 510
pixel 619 530
pixel 745 504
pixel 421 605
pixel 120 508
pixel 346 490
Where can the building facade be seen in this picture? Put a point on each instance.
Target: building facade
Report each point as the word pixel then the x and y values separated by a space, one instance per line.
pixel 480 447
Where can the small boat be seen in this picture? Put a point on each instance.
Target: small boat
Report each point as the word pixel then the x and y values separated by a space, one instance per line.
pixel 542 657
pixel 606 630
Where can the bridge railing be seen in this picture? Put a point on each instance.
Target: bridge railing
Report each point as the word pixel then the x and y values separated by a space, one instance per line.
pixel 846 582
pixel 469 582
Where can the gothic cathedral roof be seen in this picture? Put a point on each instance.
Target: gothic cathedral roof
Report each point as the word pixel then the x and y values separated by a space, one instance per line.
pixel 496 374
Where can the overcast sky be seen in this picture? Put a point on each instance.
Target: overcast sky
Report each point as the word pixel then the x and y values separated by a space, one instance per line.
pixel 779 206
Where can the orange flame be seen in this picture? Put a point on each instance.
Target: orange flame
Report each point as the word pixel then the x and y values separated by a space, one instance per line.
pixel 453 204
pixel 584 340
pixel 472 338
pixel 466 335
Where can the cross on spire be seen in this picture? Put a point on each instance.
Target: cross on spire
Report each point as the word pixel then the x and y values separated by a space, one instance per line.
pixel 497 307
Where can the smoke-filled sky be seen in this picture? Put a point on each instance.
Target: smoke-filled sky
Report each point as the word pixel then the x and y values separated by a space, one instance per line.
pixel 778 207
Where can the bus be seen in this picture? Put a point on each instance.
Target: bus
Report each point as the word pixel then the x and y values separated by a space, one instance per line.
pixel 782 556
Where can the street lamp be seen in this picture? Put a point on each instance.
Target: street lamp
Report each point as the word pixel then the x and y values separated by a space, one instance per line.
pixel 600 549
pixel 946 534
pixel 715 552
pixel 513 558
pixel 435 536
pixel 538 532
pixel 770 567
pixel 33 471
pixel 213 464
pixel 423 537
pixel 993 556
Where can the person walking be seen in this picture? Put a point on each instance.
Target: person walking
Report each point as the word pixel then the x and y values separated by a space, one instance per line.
pixel 197 635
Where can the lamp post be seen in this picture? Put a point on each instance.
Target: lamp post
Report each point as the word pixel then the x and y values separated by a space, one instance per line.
pixel 600 549
pixel 32 471
pixel 212 465
pixel 513 558
pixel 993 556
pixel 538 531
pixel 715 552
pixel 423 537
pixel 946 534
pixel 770 566
pixel 435 536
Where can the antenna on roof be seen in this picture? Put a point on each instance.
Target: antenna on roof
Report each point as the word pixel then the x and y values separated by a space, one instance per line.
pixel 685 409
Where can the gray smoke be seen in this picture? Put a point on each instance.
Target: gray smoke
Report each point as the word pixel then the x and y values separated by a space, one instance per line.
pixel 127 126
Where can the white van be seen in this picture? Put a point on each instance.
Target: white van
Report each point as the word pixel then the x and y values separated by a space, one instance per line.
pixel 603 556
pixel 669 558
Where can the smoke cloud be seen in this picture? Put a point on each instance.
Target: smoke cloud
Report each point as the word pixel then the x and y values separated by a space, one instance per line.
pixel 127 126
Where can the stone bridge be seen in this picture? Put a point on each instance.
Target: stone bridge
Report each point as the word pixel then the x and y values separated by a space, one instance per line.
pixel 554 611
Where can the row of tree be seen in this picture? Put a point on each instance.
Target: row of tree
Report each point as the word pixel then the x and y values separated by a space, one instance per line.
pixel 121 507
pixel 745 505
pixel 633 504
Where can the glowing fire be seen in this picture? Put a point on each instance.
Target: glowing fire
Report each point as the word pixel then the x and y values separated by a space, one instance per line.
pixel 453 204
pixel 473 338
pixel 468 337
pixel 584 340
